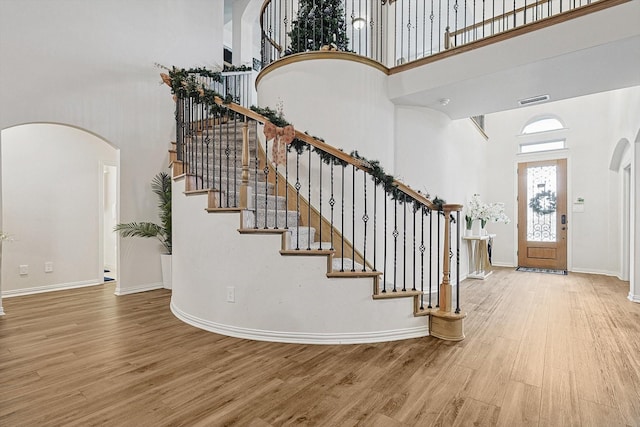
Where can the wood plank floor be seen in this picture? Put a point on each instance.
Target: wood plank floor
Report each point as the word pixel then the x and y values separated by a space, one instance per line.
pixel 541 350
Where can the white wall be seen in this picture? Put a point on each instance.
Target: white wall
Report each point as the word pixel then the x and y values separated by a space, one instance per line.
pixel 91 65
pixel 442 157
pixel 52 207
pixel 277 298
pixel 594 123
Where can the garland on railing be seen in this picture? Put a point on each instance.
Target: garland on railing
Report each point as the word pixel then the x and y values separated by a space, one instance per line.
pixel 387 181
pixel 184 84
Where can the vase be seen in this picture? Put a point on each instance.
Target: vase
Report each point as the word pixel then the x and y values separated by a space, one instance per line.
pixel 468 232
pixel 483 231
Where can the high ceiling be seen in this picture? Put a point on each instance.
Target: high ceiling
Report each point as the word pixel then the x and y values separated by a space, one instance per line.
pixel 595 53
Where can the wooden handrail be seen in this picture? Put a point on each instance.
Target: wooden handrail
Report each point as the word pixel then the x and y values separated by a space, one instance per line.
pixel 499 17
pixel 264 34
pixel 347 158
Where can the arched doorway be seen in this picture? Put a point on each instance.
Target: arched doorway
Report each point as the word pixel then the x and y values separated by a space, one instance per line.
pixel 55 193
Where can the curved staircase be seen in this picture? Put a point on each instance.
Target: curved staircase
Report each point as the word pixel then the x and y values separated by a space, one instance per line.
pixel 284 241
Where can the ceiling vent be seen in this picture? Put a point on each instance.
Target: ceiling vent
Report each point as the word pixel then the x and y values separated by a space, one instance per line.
pixel 533 100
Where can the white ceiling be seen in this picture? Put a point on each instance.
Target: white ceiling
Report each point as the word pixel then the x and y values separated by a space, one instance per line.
pixel 595 53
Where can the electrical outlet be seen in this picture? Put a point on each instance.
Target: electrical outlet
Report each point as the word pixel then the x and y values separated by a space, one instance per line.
pixel 24 270
pixel 231 294
pixel 48 267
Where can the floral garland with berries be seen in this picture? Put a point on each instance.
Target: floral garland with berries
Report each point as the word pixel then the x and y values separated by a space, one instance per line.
pixel 188 83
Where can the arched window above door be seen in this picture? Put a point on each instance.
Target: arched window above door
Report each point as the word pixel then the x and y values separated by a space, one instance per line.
pixel 541 135
pixel 542 124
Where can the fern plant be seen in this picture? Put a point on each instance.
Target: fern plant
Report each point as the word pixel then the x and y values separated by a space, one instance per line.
pixel 161 186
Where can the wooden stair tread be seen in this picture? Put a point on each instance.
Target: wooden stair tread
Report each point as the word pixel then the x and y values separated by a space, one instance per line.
pixel 262 230
pixel 215 210
pixel 196 192
pixel 436 312
pixel 354 274
pixel 397 294
pixel 306 252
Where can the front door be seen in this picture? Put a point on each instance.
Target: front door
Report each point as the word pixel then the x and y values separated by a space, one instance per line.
pixel 542 214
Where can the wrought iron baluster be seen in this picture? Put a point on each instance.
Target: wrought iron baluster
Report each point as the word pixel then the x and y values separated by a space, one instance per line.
pixel 438 256
pixel 207 141
pixel 255 182
pixel 384 265
pixel 201 146
pixel 483 17
pixel 342 217
pixel 220 146
pixel 298 186
pixel 353 218
pixel 235 161
pixel 424 26
pixel 457 262
pixel 286 188
pixel 275 196
pixel 413 288
pixel 402 30
pixel 227 154
pixel 309 199
pixel 422 249
pixel 396 233
pixel 439 25
pixel 265 171
pixel 320 205
pixel 409 34
pixel 375 223
pixel 404 244
pixel 332 202
pixel 430 255
pixel 431 17
pixel 365 219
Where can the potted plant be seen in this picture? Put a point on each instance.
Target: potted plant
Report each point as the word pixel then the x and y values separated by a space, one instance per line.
pixel 161 186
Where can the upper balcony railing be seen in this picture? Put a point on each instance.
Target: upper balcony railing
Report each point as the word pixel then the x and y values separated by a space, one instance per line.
pixel 394 32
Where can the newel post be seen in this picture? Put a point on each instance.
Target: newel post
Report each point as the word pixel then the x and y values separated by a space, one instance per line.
pixel 445 323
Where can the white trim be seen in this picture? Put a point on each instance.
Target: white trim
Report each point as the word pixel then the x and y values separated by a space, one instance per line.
pixel 139 288
pixel 589 271
pixel 51 288
pixel 2 313
pixel 301 337
pixel 633 298
pixel 502 264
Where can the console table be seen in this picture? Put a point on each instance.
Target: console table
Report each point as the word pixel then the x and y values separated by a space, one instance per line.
pixel 479 265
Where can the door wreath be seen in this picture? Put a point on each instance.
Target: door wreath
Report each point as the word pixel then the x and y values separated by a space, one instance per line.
pixel 543 203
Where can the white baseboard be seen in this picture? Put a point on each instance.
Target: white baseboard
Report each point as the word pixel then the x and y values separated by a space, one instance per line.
pixel 51 288
pixel 1 310
pixel 300 337
pixel 590 271
pixel 633 298
pixel 139 288
pixel 503 264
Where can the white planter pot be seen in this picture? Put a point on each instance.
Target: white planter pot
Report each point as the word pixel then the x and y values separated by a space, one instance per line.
pixel 165 260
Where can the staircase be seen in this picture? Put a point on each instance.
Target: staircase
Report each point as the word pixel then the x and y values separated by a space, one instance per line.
pixel 306 204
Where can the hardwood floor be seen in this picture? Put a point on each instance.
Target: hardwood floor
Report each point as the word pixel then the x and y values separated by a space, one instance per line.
pixel 541 350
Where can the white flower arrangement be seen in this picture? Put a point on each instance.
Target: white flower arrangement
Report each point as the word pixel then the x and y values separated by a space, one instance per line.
pixel 485 212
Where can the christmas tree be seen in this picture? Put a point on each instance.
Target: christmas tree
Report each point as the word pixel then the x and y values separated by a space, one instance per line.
pixel 319 23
